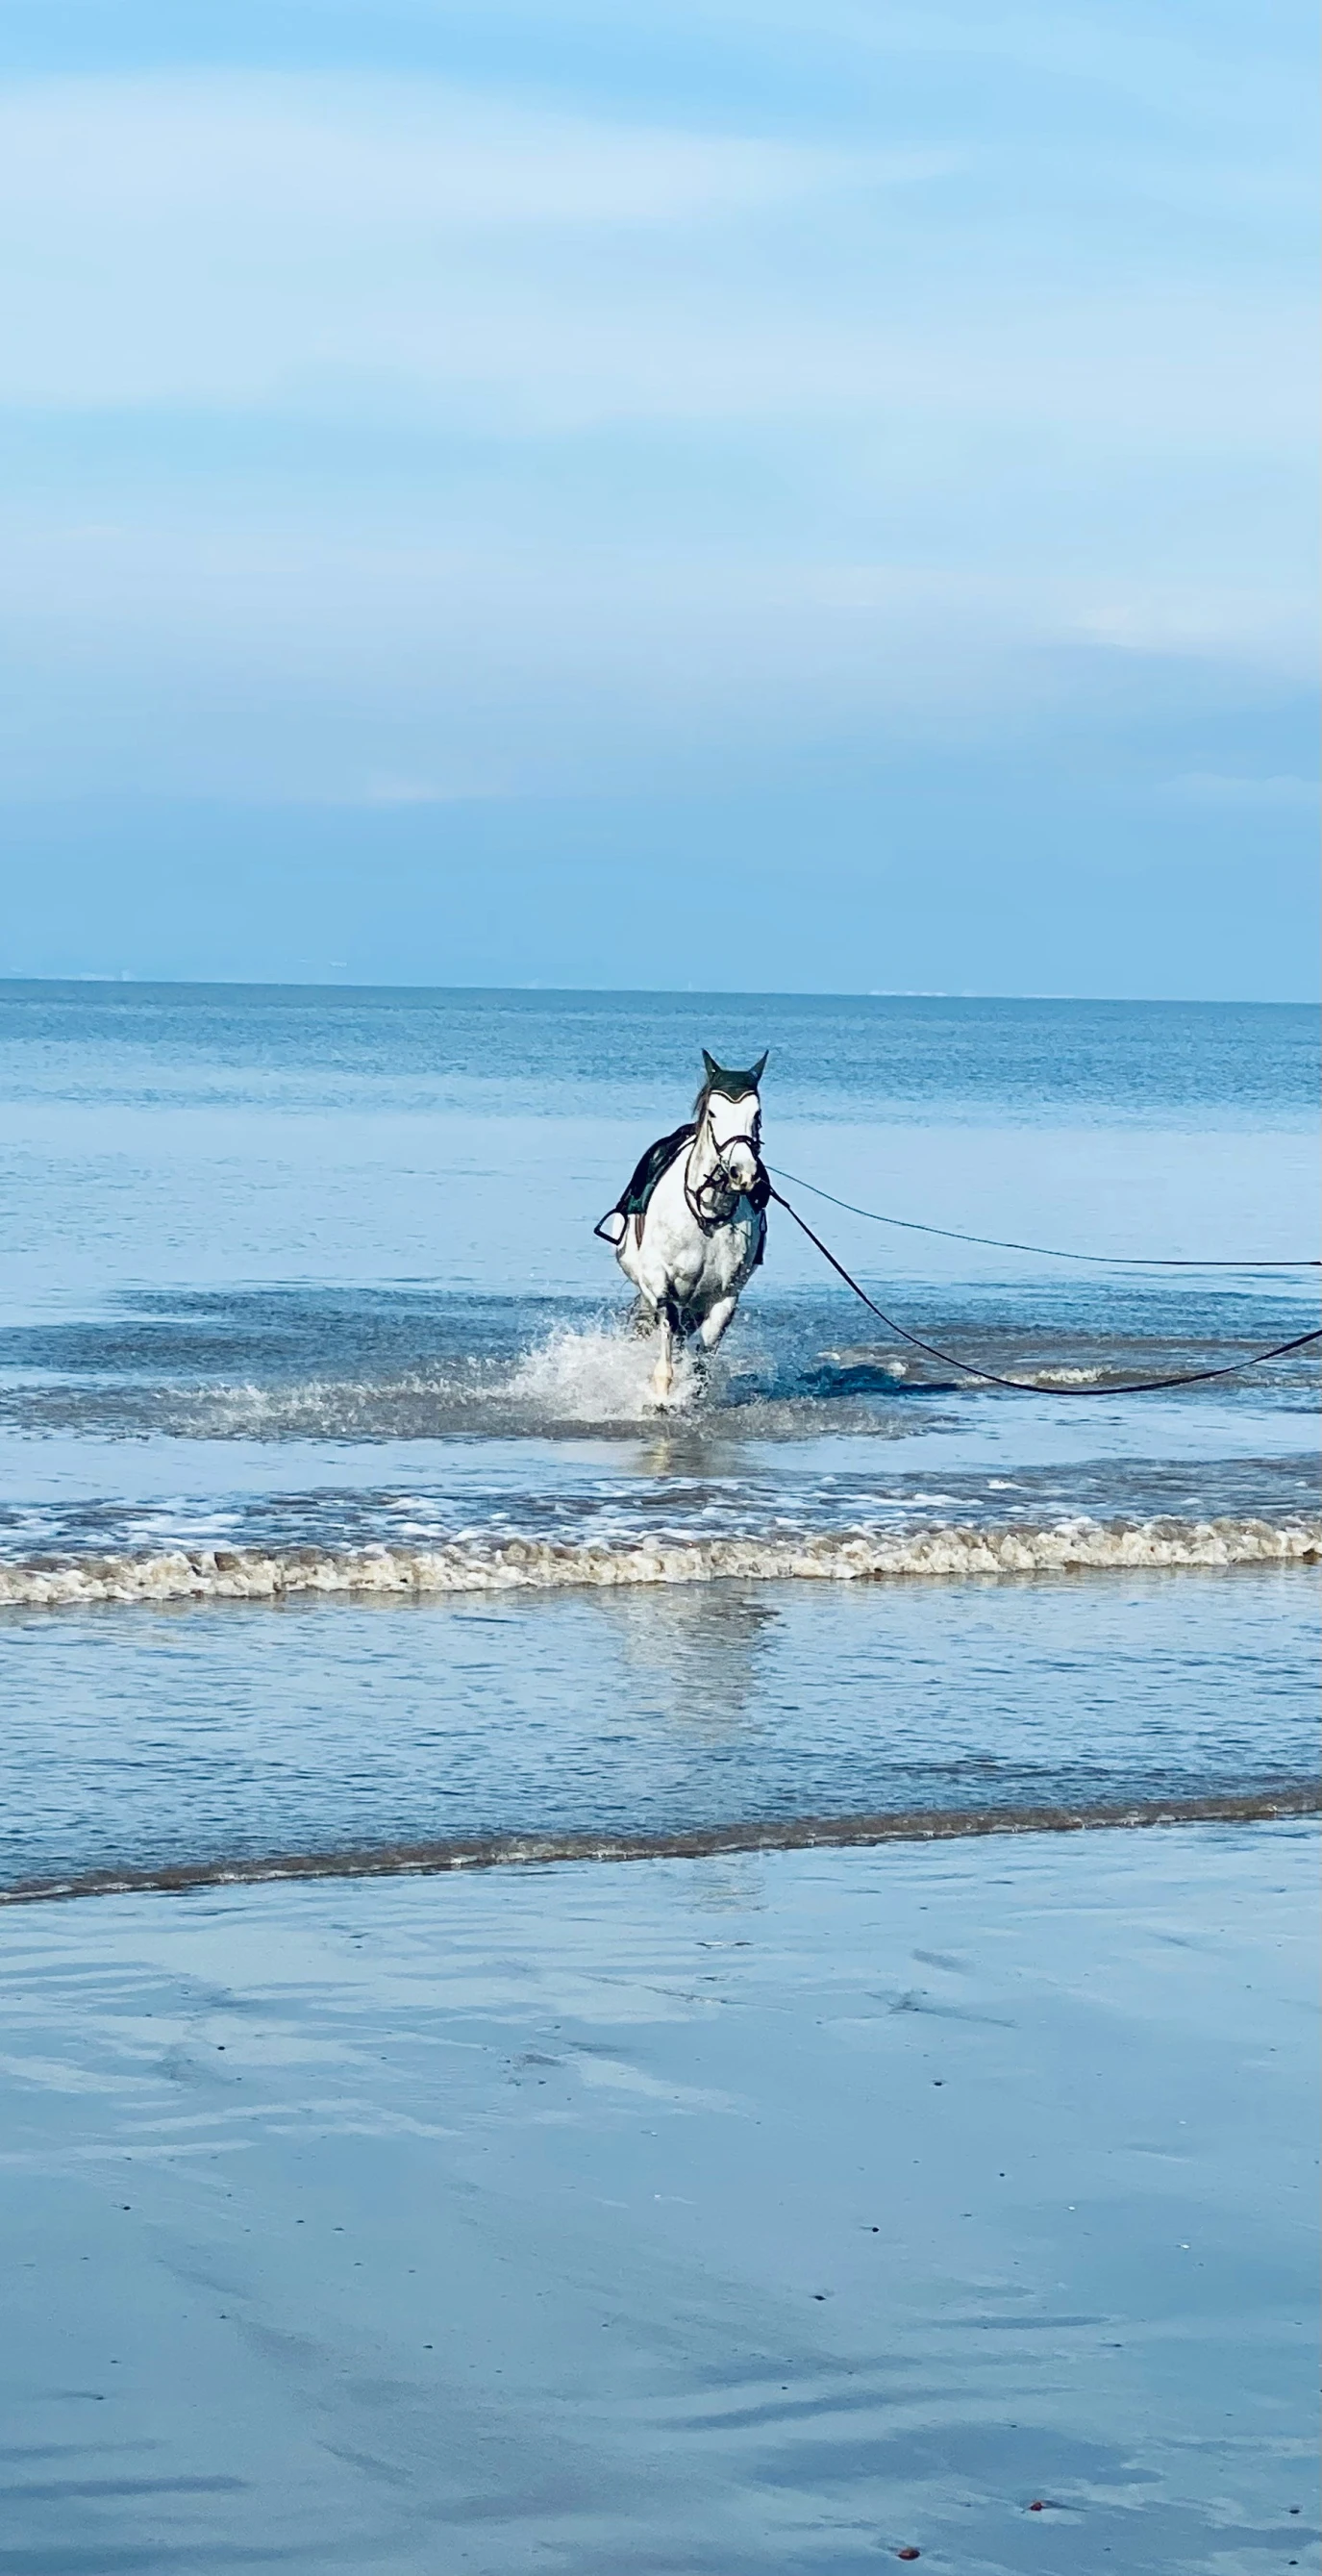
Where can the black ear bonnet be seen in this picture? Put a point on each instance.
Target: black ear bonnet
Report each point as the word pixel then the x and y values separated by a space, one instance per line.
pixel 733 1086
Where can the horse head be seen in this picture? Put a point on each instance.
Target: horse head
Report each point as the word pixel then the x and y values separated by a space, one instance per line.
pixel 729 1106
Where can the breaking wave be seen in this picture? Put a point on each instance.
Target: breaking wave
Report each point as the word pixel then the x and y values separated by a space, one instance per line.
pixel 513 1564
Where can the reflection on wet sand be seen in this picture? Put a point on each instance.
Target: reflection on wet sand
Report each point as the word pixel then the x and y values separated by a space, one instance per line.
pixel 670 2218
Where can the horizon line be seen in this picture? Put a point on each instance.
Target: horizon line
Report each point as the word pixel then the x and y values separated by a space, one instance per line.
pixel 125 982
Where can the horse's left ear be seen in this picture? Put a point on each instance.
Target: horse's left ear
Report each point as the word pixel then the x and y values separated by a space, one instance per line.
pixel 759 1068
pixel 711 1065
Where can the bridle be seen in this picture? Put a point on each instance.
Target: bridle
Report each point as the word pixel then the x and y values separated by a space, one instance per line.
pixel 718 1184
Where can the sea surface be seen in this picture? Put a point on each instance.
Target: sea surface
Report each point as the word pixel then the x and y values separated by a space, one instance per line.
pixel 337 1527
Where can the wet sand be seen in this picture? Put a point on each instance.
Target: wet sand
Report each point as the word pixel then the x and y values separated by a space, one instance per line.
pixel 784 2210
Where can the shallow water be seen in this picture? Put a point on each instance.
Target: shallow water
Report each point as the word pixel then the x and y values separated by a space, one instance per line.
pixel 140 1742
pixel 302 1301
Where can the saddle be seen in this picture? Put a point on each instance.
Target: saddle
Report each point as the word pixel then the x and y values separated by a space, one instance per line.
pixel 636 1196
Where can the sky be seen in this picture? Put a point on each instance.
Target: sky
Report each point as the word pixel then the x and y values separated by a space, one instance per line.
pixel 744 494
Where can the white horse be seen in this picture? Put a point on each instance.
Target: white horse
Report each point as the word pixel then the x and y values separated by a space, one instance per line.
pixel 691 1227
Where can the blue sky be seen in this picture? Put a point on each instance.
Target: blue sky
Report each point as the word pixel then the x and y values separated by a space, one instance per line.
pixel 744 494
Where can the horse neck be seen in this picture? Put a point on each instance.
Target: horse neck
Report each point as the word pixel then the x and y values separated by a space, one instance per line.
pixel 703 1156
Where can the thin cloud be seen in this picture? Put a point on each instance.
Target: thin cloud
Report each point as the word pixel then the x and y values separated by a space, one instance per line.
pixel 1276 794
pixel 255 150
pixel 720 439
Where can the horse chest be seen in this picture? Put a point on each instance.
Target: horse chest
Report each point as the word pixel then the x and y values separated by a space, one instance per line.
pixel 729 1254
pixel 698 1268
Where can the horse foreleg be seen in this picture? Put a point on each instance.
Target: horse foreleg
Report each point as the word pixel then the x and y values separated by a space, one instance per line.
pixel 663 1375
pixel 716 1322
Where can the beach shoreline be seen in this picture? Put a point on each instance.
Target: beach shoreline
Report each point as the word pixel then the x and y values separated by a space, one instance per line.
pixel 1289 1800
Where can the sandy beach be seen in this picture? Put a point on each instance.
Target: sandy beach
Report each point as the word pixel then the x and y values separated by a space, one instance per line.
pixel 797 2210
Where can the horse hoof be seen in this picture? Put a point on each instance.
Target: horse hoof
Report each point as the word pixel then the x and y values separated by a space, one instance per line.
pixel 663 1377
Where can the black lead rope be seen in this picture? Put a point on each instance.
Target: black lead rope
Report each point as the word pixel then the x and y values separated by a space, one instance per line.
pixel 1051 1251
pixel 1033 1386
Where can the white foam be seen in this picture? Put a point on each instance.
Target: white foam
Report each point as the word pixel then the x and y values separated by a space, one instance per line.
pixel 869 1355
pixel 316 1408
pixel 540 1565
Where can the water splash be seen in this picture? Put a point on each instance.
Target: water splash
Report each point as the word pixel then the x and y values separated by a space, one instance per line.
pixel 599 1374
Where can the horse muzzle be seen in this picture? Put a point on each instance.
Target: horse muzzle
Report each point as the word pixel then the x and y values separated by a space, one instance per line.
pixel 739 1164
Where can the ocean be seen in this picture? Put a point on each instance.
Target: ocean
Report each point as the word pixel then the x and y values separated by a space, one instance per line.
pixel 336 1529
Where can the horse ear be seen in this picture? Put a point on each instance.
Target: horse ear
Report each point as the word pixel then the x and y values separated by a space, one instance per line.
pixel 712 1067
pixel 759 1068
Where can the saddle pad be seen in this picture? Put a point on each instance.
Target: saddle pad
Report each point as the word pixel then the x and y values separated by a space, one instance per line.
pixel 635 1198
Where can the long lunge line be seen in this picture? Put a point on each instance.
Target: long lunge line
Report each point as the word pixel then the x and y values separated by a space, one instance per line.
pixel 1035 1386
pixel 1049 1251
